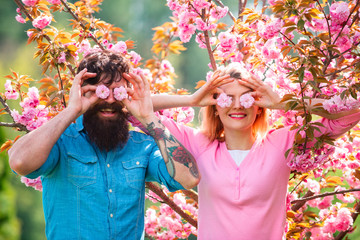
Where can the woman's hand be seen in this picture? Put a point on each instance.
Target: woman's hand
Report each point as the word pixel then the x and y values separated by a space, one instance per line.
pixel 140 104
pixel 263 94
pixel 205 95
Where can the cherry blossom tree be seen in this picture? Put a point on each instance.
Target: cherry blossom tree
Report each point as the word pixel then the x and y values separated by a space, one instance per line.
pixel 303 49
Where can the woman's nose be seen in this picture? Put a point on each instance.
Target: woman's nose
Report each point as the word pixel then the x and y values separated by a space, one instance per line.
pixel 236 103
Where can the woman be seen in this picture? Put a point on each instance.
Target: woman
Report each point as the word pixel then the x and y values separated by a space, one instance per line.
pixel 243 166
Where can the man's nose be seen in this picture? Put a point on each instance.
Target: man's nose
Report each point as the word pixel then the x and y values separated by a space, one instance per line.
pixel 110 98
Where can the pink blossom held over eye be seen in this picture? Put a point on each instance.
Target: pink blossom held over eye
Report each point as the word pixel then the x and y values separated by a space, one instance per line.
pixel 247 100
pixel 224 100
pixel 42 21
pixel 120 93
pixel 102 91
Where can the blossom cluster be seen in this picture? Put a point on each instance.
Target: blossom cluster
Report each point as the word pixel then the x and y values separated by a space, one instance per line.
pixel 190 20
pixel 164 217
pixel 33 113
pixel 336 104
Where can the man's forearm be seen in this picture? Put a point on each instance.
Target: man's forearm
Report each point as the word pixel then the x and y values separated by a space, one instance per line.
pixel 180 163
pixel 31 151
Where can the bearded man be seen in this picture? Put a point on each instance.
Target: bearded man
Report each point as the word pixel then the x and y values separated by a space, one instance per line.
pixel 94 169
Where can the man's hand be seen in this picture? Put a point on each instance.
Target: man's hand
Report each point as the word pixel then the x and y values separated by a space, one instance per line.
pixel 81 98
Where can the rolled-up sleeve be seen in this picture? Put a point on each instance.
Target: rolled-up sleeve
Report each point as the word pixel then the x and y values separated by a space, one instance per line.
pixel 49 164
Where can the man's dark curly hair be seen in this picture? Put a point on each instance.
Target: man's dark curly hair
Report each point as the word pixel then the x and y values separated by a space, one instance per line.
pixel 107 65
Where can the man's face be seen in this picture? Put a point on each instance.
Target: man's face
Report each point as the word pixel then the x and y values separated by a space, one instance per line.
pixel 106 122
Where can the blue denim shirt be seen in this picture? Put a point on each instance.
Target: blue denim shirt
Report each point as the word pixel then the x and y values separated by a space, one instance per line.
pixel 89 194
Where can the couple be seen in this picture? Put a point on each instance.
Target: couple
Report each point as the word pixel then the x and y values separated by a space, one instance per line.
pixel 94 169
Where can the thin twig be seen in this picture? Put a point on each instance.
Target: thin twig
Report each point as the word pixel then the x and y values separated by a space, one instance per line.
pixel 61 85
pixel 81 24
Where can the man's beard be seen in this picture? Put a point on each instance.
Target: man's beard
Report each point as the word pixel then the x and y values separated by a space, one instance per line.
pixel 107 134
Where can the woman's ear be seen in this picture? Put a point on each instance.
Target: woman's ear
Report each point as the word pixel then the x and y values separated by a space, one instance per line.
pixel 259 111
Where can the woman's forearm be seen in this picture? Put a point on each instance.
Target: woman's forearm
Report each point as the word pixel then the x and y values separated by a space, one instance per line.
pixel 164 101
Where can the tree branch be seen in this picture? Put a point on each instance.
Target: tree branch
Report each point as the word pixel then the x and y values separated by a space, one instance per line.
pixel 191 194
pixel 300 202
pixel 312 196
pixel 171 204
pixel 14 124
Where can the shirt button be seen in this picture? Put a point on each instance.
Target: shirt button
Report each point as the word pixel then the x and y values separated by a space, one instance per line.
pixel 110 190
pixel 137 163
pixel 108 165
pixel 111 215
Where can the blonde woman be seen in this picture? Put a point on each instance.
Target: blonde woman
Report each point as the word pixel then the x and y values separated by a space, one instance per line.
pixel 243 166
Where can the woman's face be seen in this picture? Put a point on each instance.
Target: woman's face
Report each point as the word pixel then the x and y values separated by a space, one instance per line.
pixel 236 117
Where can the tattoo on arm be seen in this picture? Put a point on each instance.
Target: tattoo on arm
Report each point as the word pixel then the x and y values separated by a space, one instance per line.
pixel 171 149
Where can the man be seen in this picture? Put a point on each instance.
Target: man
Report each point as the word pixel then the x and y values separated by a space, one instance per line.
pixel 94 170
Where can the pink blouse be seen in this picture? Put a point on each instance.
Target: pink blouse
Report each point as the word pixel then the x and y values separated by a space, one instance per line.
pixel 248 201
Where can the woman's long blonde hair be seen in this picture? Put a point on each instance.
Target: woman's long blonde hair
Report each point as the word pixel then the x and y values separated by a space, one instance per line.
pixel 211 124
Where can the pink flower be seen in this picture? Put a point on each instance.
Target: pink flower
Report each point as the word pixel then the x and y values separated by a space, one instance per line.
pixel 336 104
pixel 227 41
pixel 219 12
pixel 166 66
pixel 20 19
pixel 120 93
pixel 201 4
pixel 55 1
pixel 135 58
pixel 343 220
pixel 102 91
pixel 42 21
pixel 246 100
pixel 339 12
pixel 271 29
pixel 62 57
pixel 30 3
pixel 10 92
pixel 119 47
pixel 325 202
pixel 224 100
pixel 35 183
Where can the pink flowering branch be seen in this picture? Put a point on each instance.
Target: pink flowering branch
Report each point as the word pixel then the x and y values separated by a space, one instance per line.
pixel 171 203
pixel 81 24
pixel 23 9
pixel 14 124
pixel 312 196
